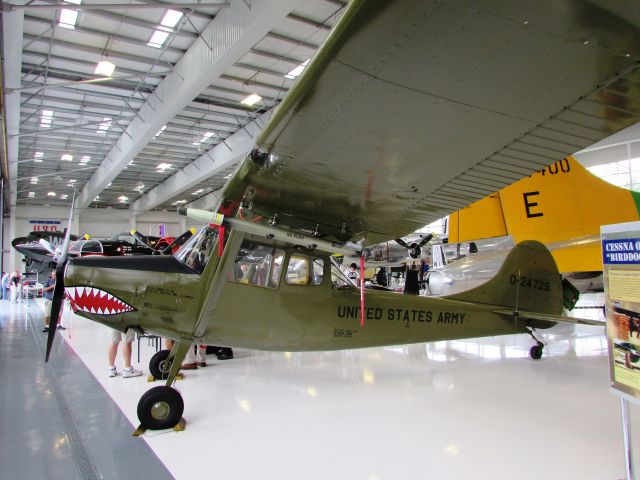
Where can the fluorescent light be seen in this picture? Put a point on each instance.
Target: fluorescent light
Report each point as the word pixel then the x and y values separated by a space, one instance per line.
pixel 67 157
pixel 32 194
pixel 296 71
pixel 38 156
pixel 46 117
pixel 158 38
pixel 179 202
pixel 63 197
pixel 34 180
pixel 68 18
pixel 105 68
pixel 164 166
pixel 205 137
pixel 104 126
pixel 51 194
pixel 123 199
pixel 85 159
pixel 198 192
pixel 109 184
pixel 171 18
pixel 160 131
pixel 251 99
pixel 97 198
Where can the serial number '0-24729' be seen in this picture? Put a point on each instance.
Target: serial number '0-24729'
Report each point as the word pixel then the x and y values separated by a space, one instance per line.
pixel 529 282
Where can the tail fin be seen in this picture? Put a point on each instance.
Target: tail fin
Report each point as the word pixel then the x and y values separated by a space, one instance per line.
pixel 528 280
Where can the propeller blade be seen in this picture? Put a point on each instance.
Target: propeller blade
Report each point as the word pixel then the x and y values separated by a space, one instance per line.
pixel 425 240
pixel 178 241
pixel 56 306
pixel 47 246
pixel 58 291
pixel 402 243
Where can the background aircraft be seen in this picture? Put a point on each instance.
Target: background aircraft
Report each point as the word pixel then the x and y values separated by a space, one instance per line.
pixel 562 206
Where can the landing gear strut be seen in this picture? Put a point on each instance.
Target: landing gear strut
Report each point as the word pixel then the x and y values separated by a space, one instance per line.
pixel 162 407
pixel 536 351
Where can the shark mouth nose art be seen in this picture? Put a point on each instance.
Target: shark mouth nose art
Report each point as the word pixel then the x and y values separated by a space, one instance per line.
pixel 94 300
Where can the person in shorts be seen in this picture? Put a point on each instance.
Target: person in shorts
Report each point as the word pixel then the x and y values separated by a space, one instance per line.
pixel 127 339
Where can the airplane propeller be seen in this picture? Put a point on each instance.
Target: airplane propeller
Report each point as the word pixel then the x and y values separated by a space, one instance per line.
pixel 58 291
pixel 415 249
pixel 47 246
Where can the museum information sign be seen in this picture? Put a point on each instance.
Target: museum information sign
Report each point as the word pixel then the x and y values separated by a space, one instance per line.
pixel 621 267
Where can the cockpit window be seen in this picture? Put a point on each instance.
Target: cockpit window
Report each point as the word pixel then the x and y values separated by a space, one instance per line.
pixel 258 265
pixel 196 253
pixel 304 270
pixel 338 279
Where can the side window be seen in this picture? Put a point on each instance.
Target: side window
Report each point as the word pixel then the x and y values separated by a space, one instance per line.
pixel 298 270
pixel 318 271
pixel 338 280
pixel 258 265
pixel 276 269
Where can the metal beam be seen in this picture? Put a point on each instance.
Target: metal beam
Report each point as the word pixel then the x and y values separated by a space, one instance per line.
pixel 193 73
pixel 10 7
pixel 217 159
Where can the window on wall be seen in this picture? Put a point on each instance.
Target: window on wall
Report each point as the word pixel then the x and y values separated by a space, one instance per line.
pixel 625 173
pixel 304 270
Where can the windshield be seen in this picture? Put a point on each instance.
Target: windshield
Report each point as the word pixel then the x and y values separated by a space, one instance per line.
pixel 196 252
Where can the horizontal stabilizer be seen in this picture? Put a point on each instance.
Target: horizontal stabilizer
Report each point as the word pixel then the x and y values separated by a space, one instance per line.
pixel 550 317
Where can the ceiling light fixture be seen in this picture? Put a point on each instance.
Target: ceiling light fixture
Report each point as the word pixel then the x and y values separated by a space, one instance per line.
pixel 179 202
pixel 85 159
pixel 34 180
pixel 160 131
pixel 164 166
pixel 104 126
pixel 198 192
pixel 64 197
pixel 38 156
pixel 46 117
pixel 51 194
pixel 105 68
pixel 31 194
pixel 123 199
pixel 171 18
pixel 69 17
pixel 251 100
pixel 67 157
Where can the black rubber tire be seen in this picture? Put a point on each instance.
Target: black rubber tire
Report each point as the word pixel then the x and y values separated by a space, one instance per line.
pixel 160 408
pixel 536 352
pixel 158 365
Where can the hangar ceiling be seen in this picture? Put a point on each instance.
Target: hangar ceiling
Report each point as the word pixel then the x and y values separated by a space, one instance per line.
pixel 168 125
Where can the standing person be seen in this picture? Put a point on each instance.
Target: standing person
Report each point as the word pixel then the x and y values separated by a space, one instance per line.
pixel 353 273
pixel 5 285
pixel 15 281
pixel 127 338
pixel 49 287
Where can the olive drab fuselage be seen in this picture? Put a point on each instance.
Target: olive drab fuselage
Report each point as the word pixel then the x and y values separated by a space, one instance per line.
pixel 287 317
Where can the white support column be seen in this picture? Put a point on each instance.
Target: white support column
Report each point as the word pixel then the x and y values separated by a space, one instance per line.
pixel 12 30
pixel 195 71
pixel 232 151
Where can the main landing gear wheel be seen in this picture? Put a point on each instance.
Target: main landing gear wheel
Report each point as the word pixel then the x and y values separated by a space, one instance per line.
pixel 536 352
pixel 160 408
pixel 159 366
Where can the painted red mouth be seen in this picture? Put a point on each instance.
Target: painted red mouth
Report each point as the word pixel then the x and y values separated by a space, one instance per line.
pixel 94 300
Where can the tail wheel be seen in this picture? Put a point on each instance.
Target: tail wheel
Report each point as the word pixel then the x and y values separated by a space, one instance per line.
pixel 160 408
pixel 159 366
pixel 536 352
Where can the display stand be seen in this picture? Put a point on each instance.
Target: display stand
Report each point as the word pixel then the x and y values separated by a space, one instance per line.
pixel 621 269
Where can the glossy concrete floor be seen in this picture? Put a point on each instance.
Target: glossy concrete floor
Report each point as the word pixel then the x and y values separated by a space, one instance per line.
pixel 477 409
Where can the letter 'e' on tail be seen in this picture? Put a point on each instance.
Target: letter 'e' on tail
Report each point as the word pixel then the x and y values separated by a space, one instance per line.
pixel 527 281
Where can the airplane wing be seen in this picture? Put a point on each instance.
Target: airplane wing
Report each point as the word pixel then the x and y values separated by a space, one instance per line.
pixel 413 109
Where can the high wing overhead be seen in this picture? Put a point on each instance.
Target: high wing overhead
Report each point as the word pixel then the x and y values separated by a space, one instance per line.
pixel 414 109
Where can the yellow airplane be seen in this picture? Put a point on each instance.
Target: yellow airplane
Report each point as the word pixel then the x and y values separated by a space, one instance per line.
pixel 562 206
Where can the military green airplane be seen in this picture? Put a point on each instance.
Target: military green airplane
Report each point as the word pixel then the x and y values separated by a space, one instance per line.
pixel 410 110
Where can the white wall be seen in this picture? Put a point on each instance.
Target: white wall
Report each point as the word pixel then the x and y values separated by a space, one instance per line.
pixel 99 223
